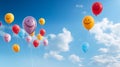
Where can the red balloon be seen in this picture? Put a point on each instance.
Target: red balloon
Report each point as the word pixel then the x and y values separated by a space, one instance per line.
pixel 97 8
pixel 36 43
pixel 16 29
pixel 42 32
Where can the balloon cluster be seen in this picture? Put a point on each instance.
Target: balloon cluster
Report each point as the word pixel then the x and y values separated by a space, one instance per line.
pixel 29 25
pixel 88 21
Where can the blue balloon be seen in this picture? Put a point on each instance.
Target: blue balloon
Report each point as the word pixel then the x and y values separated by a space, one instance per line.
pixel 85 47
pixel 21 33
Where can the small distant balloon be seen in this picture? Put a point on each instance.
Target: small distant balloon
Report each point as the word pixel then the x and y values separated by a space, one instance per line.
pixel 32 34
pixel 9 18
pixel 16 29
pixel 22 33
pixel 16 48
pixel 7 37
pixel 45 42
pixel 39 37
pixel 29 24
pixel 42 32
pixel 0 23
pixel 36 43
pixel 28 39
pixel 42 21
pixel 85 47
pixel 97 8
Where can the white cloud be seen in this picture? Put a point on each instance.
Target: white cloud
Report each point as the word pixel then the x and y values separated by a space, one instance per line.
pixel 53 55
pixel 75 59
pixel 103 50
pixel 79 5
pixel 108 34
pixel 59 43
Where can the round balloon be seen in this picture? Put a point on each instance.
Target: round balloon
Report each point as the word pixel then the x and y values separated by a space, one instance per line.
pixel 22 33
pixel 32 34
pixel 7 37
pixel 42 21
pixel 9 18
pixel 42 32
pixel 28 39
pixel 36 43
pixel 88 22
pixel 0 23
pixel 97 8
pixel 16 48
pixel 85 47
pixel 16 29
pixel 29 24
pixel 45 42
pixel 39 37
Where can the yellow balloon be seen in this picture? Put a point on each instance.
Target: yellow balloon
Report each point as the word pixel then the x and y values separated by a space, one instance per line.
pixel 42 21
pixel 39 37
pixel 16 48
pixel 32 34
pixel 88 22
pixel 9 18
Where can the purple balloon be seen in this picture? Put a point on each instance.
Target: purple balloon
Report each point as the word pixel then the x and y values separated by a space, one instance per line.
pixel 7 37
pixel 29 24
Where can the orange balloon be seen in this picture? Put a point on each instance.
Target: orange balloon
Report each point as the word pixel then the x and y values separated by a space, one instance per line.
pixel 39 37
pixel 88 22
pixel 16 48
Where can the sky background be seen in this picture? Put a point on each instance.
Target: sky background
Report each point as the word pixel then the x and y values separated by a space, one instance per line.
pixel 65 29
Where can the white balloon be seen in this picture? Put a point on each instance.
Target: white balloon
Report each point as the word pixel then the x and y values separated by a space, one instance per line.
pixel 28 39
pixel 7 37
pixel 45 42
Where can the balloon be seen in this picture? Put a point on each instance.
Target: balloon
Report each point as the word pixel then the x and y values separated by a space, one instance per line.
pixel 16 48
pixel 9 18
pixel 39 37
pixel 45 42
pixel 88 22
pixel 29 24
pixel 36 43
pixel 42 32
pixel 28 39
pixel 7 37
pixel 97 8
pixel 16 29
pixel 22 33
pixel 32 34
pixel 85 47
pixel 42 21
pixel 0 23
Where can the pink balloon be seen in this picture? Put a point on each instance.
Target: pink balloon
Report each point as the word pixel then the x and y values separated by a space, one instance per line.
pixel 7 37
pixel 45 42
pixel 28 39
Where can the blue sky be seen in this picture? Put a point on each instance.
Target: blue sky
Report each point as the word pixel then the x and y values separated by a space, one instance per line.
pixel 64 21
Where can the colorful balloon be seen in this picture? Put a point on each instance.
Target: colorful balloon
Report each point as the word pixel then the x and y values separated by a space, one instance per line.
pixel 42 21
pixel 16 29
pixel 97 8
pixel 16 48
pixel 28 39
pixel 29 24
pixel 36 43
pixel 0 23
pixel 42 32
pixel 45 42
pixel 85 47
pixel 39 37
pixel 22 33
pixel 9 18
pixel 88 22
pixel 32 34
pixel 7 37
